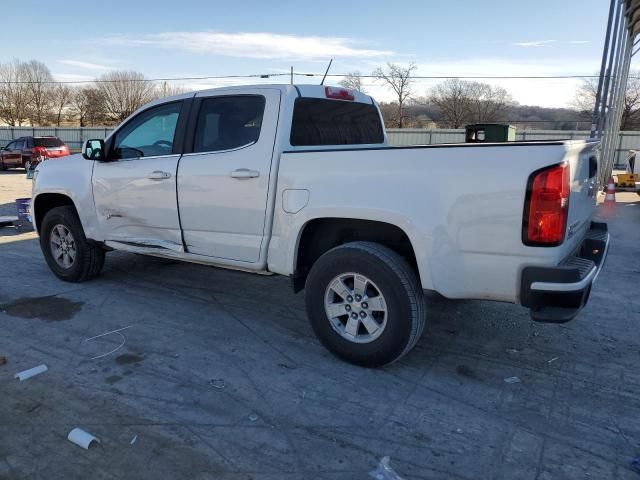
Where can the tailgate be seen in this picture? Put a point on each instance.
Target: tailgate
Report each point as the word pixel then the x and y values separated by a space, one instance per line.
pixel 583 161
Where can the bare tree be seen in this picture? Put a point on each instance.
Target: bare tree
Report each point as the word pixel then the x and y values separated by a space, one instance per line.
pixel 124 92
pixel 61 98
pixel 14 93
pixel 586 98
pixel 488 102
pixel 40 86
pixel 87 104
pixel 166 89
pixel 353 80
pixel 460 102
pixel 399 79
pixel 452 98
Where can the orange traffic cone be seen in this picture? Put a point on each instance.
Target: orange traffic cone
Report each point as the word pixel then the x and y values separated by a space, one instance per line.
pixel 610 199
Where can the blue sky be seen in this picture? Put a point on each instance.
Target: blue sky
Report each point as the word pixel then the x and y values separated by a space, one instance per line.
pixel 79 40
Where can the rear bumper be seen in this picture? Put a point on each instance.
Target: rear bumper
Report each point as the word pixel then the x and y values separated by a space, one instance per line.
pixel 557 294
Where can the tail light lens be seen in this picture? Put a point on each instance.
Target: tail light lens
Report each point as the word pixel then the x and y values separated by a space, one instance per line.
pixel 40 153
pixel 547 206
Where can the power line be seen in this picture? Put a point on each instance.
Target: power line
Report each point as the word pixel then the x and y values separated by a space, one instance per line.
pixel 305 74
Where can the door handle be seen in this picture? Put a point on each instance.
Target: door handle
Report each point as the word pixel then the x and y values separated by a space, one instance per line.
pixel 159 175
pixel 244 173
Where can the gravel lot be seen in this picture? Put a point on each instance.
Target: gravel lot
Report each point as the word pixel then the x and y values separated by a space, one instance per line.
pixel 219 376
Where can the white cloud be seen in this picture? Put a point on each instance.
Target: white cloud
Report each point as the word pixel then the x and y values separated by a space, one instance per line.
pixel 71 77
pixel 263 45
pixel 86 65
pixel 534 43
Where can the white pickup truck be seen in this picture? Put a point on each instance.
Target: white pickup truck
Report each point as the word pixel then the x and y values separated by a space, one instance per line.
pixel 300 181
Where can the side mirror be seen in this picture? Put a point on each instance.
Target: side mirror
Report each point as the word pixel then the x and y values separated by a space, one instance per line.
pixel 94 150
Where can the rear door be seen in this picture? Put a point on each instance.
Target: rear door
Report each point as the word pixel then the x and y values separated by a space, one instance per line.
pixel 223 182
pixel 135 191
pixel 54 146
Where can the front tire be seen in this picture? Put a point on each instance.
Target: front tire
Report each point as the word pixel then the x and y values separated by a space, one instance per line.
pixel 66 249
pixel 365 303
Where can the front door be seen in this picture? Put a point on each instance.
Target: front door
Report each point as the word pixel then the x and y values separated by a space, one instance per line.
pixel 223 184
pixel 135 190
pixel 12 156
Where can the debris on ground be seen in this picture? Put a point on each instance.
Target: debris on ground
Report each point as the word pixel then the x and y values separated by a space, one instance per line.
pixel 286 366
pixel 32 372
pixel 133 440
pixel 253 418
pixel 512 350
pixel 81 438
pixel 218 383
pixel 512 380
pixel 3 360
pixel 384 471
pixel 552 360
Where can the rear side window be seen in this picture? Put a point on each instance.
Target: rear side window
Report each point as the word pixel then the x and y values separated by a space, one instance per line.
pixel 332 122
pixel 48 142
pixel 228 122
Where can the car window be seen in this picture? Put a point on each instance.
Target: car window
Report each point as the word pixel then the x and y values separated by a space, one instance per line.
pixel 48 142
pixel 10 145
pixel 151 133
pixel 228 122
pixel 29 142
pixel 318 121
pixel 19 145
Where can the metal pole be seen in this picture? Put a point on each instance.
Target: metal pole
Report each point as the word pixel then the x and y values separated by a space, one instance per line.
pixel 621 98
pixel 596 111
pixel 616 116
pixel 612 90
pixel 607 80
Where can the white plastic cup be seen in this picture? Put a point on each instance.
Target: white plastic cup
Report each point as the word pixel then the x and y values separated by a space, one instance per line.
pixel 81 438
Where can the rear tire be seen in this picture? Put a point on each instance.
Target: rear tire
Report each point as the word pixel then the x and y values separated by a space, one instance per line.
pixel 399 312
pixel 76 260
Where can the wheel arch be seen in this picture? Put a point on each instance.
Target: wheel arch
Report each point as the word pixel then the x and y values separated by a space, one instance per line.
pixel 45 202
pixel 318 235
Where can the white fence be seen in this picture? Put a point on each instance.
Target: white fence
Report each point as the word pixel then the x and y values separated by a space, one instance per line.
pixel 414 136
pixel 74 137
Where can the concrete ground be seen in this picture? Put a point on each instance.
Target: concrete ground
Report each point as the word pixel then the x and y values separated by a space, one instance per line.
pixel 217 375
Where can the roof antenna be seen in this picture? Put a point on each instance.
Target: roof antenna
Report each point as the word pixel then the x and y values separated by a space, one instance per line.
pixel 327 71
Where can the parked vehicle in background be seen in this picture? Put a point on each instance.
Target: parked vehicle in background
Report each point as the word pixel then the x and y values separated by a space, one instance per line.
pixel 27 152
pixel 298 180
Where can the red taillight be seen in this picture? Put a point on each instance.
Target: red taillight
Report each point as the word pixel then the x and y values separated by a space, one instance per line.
pixel 338 93
pixel 40 153
pixel 547 206
pixel 65 150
